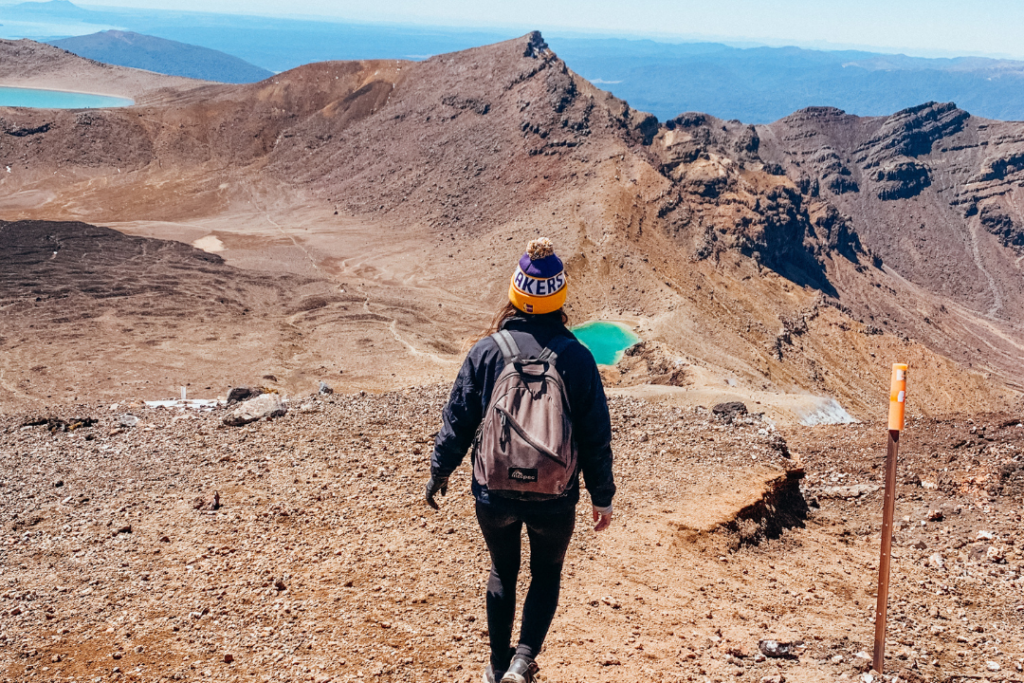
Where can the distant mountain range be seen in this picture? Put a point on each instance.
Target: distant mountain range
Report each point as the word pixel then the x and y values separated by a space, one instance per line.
pixel 760 85
pixel 754 85
pixel 125 48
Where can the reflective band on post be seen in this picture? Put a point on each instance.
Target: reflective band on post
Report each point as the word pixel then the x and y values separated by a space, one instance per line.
pixel 897 396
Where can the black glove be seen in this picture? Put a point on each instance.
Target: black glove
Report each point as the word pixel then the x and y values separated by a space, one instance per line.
pixel 433 486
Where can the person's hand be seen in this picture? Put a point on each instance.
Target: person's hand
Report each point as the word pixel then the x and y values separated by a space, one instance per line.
pixel 603 519
pixel 433 486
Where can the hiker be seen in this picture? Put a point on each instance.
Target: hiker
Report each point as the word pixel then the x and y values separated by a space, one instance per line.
pixel 529 400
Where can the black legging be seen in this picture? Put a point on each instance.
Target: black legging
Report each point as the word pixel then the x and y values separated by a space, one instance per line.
pixel 549 534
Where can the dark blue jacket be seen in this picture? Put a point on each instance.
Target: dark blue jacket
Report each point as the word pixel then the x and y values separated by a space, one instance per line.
pixel 591 424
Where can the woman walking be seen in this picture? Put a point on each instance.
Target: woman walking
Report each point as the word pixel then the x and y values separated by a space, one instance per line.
pixel 529 401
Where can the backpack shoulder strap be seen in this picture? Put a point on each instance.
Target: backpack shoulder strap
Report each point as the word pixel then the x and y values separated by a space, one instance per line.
pixel 555 347
pixel 507 345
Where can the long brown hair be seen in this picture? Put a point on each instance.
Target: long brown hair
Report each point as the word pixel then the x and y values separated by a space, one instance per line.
pixel 504 313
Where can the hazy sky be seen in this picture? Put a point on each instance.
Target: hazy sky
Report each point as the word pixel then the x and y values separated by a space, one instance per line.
pixel 923 27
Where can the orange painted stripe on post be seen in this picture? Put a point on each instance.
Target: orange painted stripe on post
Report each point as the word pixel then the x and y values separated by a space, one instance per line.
pixel 897 396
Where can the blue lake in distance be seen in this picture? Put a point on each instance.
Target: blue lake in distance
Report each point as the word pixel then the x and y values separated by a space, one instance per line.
pixel 57 99
pixel 605 340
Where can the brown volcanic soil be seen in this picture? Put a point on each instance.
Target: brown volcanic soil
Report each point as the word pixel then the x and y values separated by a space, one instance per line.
pixel 322 563
pixel 88 311
pixel 28 64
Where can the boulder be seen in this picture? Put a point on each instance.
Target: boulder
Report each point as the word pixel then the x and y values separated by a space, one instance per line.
pixel 729 411
pixel 262 407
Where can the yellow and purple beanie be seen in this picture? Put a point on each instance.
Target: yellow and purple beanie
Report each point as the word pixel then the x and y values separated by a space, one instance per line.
pixel 538 285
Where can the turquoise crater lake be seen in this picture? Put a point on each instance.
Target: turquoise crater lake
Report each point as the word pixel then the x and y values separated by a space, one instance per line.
pixel 605 340
pixel 57 99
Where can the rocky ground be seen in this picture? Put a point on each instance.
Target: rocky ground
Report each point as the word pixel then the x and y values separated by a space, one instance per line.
pixel 299 549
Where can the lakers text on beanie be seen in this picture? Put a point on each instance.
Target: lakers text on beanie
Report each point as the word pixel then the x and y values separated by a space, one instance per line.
pixel 538 285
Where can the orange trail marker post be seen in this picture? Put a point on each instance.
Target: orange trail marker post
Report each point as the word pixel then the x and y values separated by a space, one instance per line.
pixel 897 405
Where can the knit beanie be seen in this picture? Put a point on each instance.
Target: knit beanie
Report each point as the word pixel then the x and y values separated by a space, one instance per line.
pixel 538 285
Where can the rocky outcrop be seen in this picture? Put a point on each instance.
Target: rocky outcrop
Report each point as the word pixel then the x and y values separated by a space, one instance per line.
pixel 911 132
pixel 834 174
pixel 900 180
pixel 996 219
pixel 1000 167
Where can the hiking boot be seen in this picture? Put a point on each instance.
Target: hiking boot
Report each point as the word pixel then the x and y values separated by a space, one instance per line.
pixel 492 675
pixel 522 670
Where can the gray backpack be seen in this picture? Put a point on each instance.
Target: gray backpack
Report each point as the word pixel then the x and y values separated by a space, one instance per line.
pixel 524 447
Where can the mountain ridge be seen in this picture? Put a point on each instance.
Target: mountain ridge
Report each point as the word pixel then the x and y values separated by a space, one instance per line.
pixel 732 245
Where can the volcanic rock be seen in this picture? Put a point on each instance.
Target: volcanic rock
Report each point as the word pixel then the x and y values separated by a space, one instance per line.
pixel 264 407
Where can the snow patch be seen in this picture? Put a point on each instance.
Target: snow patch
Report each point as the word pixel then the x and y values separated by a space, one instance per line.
pixel 827 411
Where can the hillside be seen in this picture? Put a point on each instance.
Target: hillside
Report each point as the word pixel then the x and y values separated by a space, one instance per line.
pixel 138 51
pixel 91 311
pixel 28 64
pixel 400 180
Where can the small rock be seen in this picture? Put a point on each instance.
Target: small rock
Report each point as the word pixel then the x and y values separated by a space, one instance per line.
pixel 777 678
pixel 611 602
pixel 978 552
pixel 837 659
pixel 117 655
pixel 985 536
pixel 57 484
pixel 279 585
pixel 126 529
pixel 228 659
pixel 935 561
pixel 55 658
pixel 935 516
pixel 128 420
pixel 992 666
pixel 263 407
pixel 773 648
pixel 609 660
pixel 848 492
pixel 995 554
pixel 325 389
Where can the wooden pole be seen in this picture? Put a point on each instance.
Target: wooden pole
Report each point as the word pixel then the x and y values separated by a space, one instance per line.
pixel 897 403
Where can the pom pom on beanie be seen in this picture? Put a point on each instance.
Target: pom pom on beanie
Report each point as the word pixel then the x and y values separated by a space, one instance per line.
pixel 539 248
